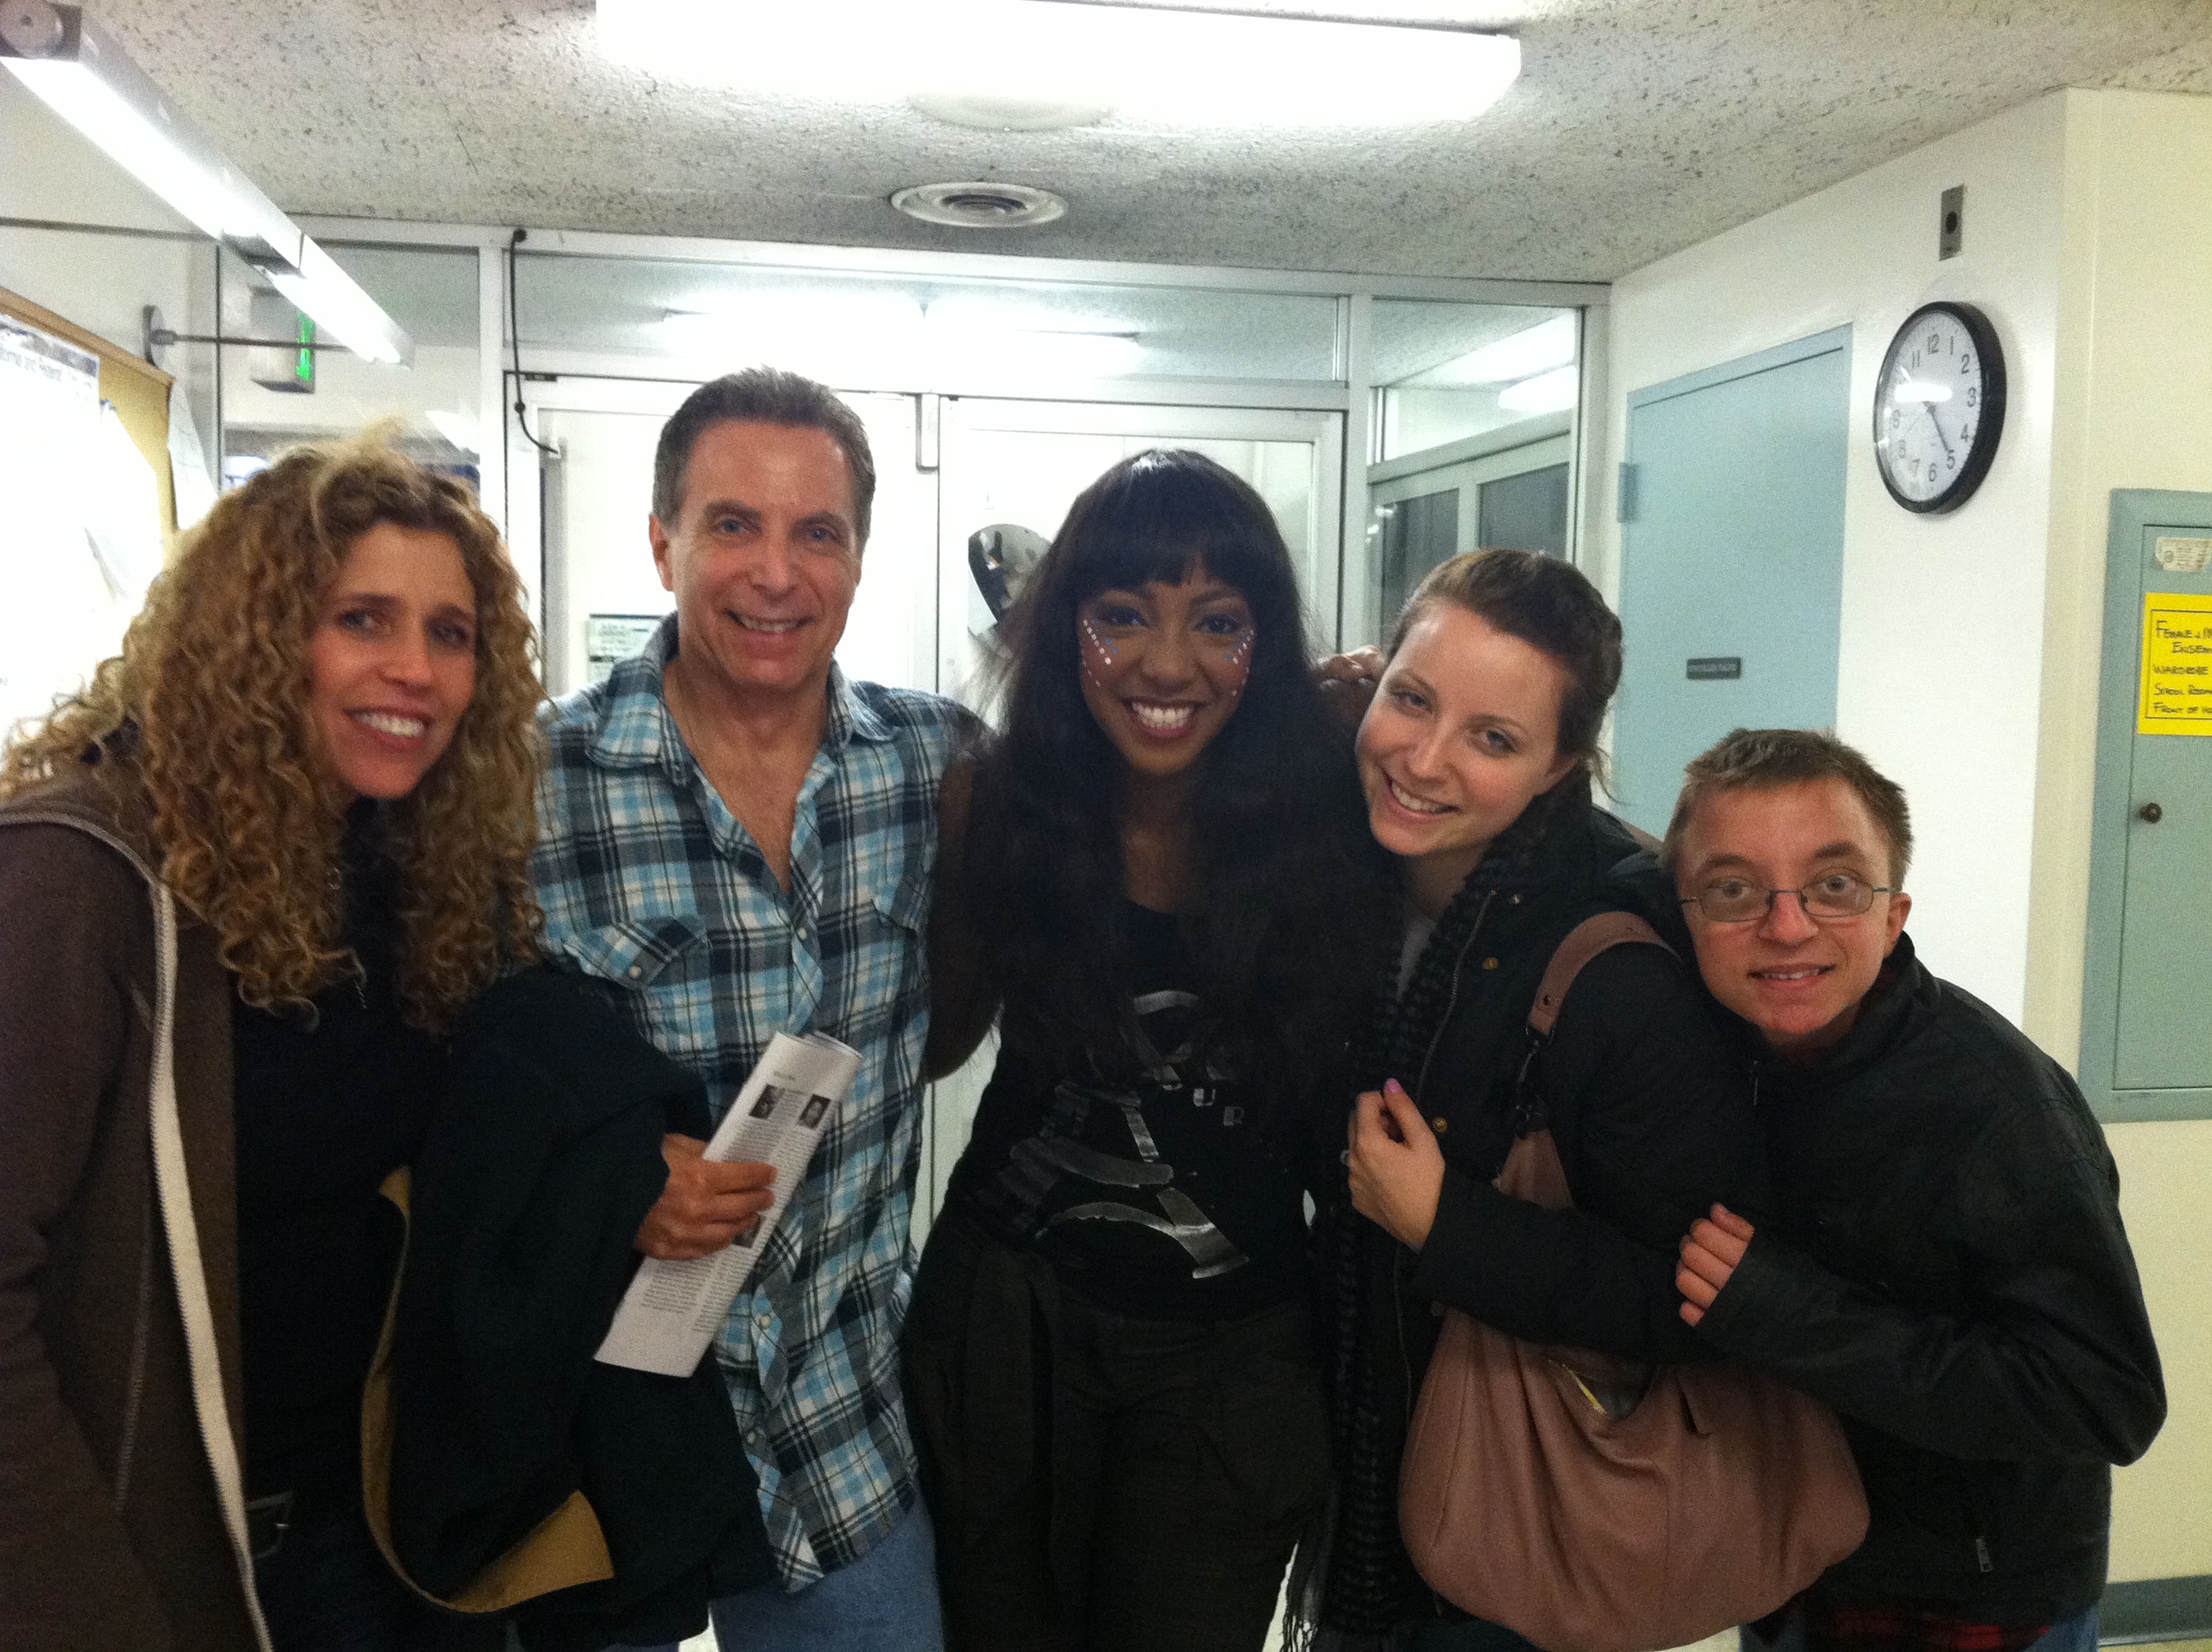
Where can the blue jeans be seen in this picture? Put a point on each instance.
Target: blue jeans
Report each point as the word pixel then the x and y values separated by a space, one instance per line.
pixel 886 1599
pixel 2077 1634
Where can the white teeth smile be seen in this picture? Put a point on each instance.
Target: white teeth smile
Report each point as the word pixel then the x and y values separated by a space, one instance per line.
pixel 405 728
pixel 1789 975
pixel 1405 800
pixel 1162 718
pixel 773 626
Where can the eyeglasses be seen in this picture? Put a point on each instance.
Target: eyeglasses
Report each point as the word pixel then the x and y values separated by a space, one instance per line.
pixel 1739 901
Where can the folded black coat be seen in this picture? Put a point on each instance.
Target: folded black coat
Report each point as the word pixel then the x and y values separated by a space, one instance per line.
pixel 541 1160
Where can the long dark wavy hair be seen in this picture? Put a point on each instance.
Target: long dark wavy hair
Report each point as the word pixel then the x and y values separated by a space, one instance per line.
pixel 1289 892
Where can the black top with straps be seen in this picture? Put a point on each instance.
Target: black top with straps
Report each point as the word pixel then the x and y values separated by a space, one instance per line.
pixel 1150 1185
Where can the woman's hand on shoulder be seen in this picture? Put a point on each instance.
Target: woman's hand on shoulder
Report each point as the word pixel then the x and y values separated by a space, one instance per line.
pixel 1397 1168
pixel 1347 682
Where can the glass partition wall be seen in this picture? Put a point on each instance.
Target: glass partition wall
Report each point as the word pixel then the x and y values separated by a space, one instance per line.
pixel 1474 411
pixel 1389 423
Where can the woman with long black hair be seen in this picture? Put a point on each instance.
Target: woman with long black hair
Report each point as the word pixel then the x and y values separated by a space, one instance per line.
pixel 1160 873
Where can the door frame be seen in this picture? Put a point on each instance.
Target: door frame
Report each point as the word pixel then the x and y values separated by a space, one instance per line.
pixel 2134 511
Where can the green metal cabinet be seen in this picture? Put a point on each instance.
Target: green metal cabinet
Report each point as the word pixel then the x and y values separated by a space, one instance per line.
pixel 2146 999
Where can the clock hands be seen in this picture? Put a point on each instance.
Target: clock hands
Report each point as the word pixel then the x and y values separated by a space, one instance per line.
pixel 1928 407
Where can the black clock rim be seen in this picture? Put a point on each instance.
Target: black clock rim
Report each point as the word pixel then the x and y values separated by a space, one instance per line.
pixel 1984 337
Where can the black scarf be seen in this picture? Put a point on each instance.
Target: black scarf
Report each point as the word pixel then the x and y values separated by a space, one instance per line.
pixel 1353 1582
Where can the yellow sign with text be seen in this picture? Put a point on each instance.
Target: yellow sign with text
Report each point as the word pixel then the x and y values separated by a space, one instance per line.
pixel 2177 664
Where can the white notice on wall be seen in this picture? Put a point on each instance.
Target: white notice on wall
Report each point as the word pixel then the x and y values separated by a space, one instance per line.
pixel 672 1309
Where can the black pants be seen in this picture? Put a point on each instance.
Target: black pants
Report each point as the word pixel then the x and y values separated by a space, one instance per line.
pixel 1103 1484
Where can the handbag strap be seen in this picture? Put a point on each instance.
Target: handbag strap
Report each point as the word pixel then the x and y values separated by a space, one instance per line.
pixel 1588 938
pixel 172 1178
pixel 1585 942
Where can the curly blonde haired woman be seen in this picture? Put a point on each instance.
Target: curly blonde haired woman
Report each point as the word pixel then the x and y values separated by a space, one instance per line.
pixel 316 753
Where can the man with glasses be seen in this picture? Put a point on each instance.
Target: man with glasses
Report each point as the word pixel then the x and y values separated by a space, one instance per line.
pixel 1946 1265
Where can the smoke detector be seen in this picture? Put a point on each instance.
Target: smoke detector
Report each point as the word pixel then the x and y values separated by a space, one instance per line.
pixel 980 206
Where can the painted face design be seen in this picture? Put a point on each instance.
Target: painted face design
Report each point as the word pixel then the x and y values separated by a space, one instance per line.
pixel 1163 667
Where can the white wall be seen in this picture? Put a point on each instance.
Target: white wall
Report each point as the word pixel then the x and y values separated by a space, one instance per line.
pixel 2133 410
pixel 1942 616
pixel 1971 642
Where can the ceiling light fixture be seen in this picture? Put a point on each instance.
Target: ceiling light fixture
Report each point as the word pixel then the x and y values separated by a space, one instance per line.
pixel 79 72
pixel 878 333
pixel 1532 350
pixel 1170 67
pixel 1547 392
pixel 981 206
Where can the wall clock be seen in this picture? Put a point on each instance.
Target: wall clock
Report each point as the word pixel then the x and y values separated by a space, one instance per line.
pixel 1939 407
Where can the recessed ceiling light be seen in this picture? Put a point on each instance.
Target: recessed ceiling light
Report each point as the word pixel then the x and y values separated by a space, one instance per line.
pixel 980 206
pixel 1168 67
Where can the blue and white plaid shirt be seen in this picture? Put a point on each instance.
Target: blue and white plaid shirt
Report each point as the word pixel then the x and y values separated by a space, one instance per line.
pixel 649 883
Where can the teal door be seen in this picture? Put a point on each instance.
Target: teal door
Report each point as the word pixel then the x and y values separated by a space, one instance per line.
pixel 2147 1045
pixel 1732 559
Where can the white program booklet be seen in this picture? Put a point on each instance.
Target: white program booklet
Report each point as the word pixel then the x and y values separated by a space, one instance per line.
pixel 672 1309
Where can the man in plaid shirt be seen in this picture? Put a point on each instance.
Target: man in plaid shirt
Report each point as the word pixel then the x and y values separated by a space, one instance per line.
pixel 740 840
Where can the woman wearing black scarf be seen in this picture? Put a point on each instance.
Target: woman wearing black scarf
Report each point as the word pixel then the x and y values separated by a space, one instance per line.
pixel 1477 758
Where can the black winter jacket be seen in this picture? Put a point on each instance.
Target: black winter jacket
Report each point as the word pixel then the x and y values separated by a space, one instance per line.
pixel 1646 1098
pixel 540 1162
pixel 1947 1268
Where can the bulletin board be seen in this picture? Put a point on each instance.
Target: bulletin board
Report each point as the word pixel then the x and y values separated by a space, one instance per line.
pixel 138 390
pixel 88 503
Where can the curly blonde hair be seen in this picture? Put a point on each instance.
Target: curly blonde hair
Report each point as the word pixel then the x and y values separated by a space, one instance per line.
pixel 201 723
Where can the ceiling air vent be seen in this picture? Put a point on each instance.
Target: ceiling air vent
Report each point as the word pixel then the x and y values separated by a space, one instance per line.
pixel 980 206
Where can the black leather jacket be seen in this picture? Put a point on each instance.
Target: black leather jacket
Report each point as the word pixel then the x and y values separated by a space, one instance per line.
pixel 1947 1268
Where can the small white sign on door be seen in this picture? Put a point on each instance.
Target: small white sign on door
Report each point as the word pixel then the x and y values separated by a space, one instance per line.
pixel 610 637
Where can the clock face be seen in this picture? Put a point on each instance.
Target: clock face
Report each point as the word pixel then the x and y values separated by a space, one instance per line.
pixel 1939 407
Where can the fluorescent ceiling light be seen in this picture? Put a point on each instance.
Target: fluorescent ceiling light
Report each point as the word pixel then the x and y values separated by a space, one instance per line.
pixel 847 335
pixel 1532 350
pixel 340 307
pixel 1176 67
pixel 80 73
pixel 1061 352
pixel 773 316
pixel 1547 392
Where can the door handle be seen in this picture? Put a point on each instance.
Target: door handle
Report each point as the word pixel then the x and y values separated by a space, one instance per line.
pixel 2152 813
